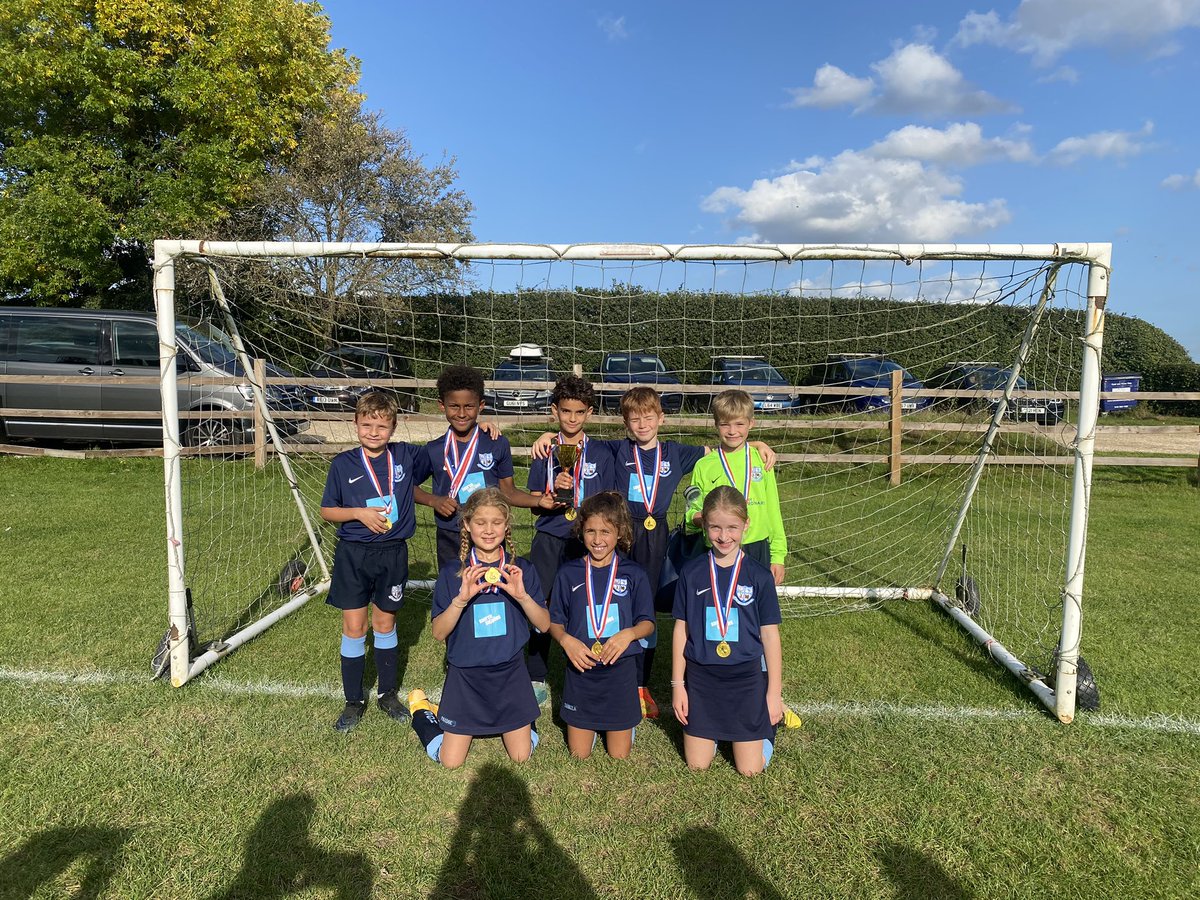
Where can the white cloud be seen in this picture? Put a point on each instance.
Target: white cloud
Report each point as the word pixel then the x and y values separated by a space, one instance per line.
pixel 833 87
pixel 930 282
pixel 914 79
pixel 613 27
pixel 1046 29
pixel 1065 74
pixel 1119 145
pixel 1182 182
pixel 861 196
pixel 960 144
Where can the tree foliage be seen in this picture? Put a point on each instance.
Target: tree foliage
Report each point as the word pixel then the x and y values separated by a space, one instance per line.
pixel 122 121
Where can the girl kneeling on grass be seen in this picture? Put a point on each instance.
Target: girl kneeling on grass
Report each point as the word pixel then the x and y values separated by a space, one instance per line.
pixel 483 606
pixel 726 624
pixel 600 608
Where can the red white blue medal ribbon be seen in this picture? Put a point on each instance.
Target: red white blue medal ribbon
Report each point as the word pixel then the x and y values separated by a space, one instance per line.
pixel 457 464
pixel 375 481
pixel 648 496
pixel 723 607
pixel 598 624
pixel 577 477
pixel 729 472
pixel 502 565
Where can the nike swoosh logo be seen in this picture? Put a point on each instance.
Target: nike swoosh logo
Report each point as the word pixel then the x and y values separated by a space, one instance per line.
pixel 700 591
pixel 577 587
pixel 352 480
pixel 629 465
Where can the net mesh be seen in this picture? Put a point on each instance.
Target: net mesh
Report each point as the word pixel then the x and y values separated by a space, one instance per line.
pixel 789 333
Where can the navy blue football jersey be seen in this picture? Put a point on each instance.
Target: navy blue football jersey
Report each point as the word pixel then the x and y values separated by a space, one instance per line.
pixel 491 461
pixel 675 462
pixel 493 628
pixel 755 603
pixel 596 475
pixel 631 603
pixel 349 484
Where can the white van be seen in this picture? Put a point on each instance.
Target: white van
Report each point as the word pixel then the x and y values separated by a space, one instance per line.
pixel 121 343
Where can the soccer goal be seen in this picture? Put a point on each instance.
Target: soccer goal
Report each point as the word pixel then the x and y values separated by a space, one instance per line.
pixel 933 407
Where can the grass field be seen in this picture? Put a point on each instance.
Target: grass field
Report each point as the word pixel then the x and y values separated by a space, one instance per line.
pixel 922 770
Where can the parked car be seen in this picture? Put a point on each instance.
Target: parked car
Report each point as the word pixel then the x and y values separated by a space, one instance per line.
pixel 990 376
pixel 862 370
pixel 525 363
pixel 122 343
pixel 361 360
pixel 768 389
pixel 634 369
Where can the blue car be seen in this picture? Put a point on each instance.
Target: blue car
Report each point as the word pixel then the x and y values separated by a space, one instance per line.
pixel 861 370
pixel 990 376
pixel 635 370
pixel 769 390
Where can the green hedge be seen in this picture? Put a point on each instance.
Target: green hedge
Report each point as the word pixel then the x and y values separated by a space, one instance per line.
pixel 1173 377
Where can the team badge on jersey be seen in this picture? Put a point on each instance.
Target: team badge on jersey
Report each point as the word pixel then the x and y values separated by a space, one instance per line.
pixel 665 469
pixel 744 594
pixel 399 473
pixel 757 474
pixel 620 586
pixel 589 470
pixel 486 461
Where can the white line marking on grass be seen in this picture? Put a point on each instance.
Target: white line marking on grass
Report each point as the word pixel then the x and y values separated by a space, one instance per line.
pixel 929 712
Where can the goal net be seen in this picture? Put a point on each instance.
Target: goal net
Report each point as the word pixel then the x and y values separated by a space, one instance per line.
pixel 932 407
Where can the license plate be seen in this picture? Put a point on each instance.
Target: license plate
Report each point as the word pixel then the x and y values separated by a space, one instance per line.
pixel 520 403
pixel 908 404
pixel 772 404
pixel 328 401
pixel 1033 410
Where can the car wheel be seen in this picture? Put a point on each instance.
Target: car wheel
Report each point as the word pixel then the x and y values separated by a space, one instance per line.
pixel 212 433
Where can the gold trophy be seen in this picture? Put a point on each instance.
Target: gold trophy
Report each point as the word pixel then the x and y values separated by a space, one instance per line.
pixel 567 455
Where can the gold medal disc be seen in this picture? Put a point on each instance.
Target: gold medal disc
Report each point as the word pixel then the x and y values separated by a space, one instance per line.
pixel 571 514
pixel 387 525
pixel 492 575
pixel 723 649
pixel 650 524
pixel 597 648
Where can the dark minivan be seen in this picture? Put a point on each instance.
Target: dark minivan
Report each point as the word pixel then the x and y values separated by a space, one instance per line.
pixel 119 344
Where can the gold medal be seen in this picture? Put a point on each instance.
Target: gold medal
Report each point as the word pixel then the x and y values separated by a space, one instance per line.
pixel 597 648
pixel 387 524
pixel 723 649
pixel 649 524
pixel 571 514
pixel 492 575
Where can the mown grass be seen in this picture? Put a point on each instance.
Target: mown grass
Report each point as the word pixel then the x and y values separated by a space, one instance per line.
pixel 128 788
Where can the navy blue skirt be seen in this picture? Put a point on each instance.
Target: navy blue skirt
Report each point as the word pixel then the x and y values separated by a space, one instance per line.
pixel 479 700
pixel 604 698
pixel 728 703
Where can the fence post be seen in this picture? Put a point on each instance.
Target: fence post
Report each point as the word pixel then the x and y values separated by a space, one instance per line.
pixel 896 412
pixel 260 428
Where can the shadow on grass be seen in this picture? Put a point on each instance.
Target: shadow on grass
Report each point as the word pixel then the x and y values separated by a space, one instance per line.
pixel 280 859
pixel 501 849
pixel 917 876
pixel 713 867
pixel 50 853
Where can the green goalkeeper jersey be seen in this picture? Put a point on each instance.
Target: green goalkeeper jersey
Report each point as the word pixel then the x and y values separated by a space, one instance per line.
pixel 766 519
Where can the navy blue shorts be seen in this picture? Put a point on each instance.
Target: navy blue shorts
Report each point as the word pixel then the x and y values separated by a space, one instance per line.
pixel 728 703
pixel 604 698
pixel 478 700
pixel 374 572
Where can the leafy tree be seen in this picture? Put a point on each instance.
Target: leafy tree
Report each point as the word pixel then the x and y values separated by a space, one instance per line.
pixel 350 179
pixel 122 121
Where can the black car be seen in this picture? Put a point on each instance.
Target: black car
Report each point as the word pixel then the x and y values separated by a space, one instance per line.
pixel 990 376
pixel 525 363
pixel 861 370
pixel 768 388
pixel 363 360
pixel 634 370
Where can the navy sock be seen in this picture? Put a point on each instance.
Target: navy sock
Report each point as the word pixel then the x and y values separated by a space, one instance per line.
pixel 429 732
pixel 353 668
pixel 387 655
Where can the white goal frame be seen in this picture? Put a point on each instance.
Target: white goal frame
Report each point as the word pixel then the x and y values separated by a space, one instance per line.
pixel 1059 697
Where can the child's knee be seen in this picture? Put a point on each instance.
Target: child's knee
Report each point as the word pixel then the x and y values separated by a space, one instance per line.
pixel 452 763
pixel 619 752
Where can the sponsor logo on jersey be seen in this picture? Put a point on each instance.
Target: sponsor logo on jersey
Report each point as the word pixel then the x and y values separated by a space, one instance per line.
pixel 486 461
pixel 620 586
pixel 744 594
pixel 489 620
pixel 450 722
pixel 397 593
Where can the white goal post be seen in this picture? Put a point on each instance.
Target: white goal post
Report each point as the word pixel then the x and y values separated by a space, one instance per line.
pixel 998 494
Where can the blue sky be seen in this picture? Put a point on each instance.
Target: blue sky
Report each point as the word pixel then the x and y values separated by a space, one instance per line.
pixel 1033 121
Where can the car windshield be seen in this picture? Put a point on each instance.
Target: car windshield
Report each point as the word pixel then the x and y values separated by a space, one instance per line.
pixel 870 368
pixel 994 379
pixel 753 370
pixel 355 358
pixel 633 364
pixel 208 342
pixel 511 371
